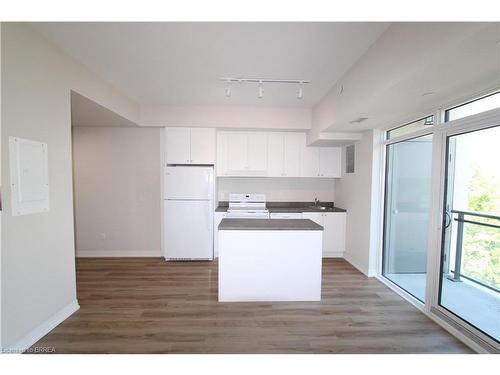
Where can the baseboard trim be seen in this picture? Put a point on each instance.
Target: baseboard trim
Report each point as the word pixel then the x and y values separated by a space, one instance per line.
pixel 334 254
pixel 36 334
pixel 356 264
pixel 118 254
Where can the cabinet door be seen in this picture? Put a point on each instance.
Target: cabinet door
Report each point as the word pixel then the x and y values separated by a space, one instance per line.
pixel 334 234
pixel 202 146
pixel 236 156
pixel 178 146
pixel 275 155
pixel 314 216
pixel 257 154
pixel 291 151
pixel 310 162
pixel 221 165
pixel 329 161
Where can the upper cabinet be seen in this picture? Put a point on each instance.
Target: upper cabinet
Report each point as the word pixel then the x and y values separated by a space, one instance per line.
pixel 330 161
pixel 190 145
pixel 320 161
pixel 242 154
pixel 274 154
pixel 283 154
pixel 309 160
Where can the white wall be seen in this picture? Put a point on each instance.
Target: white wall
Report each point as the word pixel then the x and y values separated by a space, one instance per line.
pixel 38 255
pixel 117 191
pixel 279 189
pixel 355 192
pixel 227 117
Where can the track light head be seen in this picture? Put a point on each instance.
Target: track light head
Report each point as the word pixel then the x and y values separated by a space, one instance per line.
pixel 300 93
pixel 228 89
pixel 261 90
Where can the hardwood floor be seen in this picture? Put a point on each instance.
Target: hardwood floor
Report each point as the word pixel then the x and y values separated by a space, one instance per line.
pixel 146 305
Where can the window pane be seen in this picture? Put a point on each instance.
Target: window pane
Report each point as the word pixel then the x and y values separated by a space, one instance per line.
pixel 407 209
pixel 477 106
pixel 411 127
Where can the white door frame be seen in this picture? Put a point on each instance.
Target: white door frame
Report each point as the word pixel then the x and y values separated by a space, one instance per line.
pixel 474 337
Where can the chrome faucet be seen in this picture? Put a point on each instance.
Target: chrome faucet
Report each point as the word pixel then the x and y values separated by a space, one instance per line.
pixel 316 201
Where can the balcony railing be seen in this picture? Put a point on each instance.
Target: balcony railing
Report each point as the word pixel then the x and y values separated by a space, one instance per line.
pixel 468 217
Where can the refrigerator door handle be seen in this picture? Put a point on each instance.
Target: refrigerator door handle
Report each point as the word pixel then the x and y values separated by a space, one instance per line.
pixel 208 216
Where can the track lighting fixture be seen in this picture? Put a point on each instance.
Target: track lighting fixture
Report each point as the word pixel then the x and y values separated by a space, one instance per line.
pixel 300 94
pixel 261 81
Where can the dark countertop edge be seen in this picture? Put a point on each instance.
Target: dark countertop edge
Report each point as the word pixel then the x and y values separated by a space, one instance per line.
pixel 289 207
pixel 269 224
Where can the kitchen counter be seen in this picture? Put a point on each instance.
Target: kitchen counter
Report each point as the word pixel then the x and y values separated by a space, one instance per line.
pixel 269 224
pixel 290 207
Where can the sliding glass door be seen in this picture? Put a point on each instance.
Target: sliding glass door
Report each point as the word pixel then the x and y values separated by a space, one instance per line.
pixel 469 284
pixel 406 213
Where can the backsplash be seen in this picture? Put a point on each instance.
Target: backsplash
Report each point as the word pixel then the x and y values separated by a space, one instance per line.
pixel 278 189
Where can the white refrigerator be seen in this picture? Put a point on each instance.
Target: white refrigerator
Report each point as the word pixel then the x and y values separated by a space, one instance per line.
pixel 188 209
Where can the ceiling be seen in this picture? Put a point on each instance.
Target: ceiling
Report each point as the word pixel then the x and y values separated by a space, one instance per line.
pixel 181 63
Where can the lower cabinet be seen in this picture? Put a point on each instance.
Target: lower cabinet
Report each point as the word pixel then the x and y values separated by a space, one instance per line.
pixel 333 224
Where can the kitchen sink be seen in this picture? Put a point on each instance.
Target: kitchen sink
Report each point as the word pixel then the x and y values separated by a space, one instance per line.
pixel 318 207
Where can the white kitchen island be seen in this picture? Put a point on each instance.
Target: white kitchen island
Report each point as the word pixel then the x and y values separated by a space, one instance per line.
pixel 270 260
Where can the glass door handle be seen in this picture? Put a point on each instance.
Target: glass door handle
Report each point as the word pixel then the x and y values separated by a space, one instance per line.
pixel 447 219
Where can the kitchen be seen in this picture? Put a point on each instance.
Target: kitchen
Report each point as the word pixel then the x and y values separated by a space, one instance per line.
pixel 192 156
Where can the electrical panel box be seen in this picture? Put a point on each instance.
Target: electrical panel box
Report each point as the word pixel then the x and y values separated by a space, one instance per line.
pixel 29 179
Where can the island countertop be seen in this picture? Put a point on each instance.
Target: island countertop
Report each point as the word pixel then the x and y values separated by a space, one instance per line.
pixel 269 224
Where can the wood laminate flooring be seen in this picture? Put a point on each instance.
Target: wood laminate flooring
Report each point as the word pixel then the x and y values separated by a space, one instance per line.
pixel 146 305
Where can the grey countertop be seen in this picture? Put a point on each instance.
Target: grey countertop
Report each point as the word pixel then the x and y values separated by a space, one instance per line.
pixel 268 224
pixel 290 207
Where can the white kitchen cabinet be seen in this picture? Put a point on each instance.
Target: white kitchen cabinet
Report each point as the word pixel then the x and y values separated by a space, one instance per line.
pixel 283 155
pixel 218 216
pixel 202 146
pixel 310 162
pixel 333 224
pixel 321 162
pixel 257 154
pixel 334 236
pixel 190 145
pixel 178 145
pixel 330 162
pixel 236 153
pixel 275 155
pixel 291 149
pixel 242 154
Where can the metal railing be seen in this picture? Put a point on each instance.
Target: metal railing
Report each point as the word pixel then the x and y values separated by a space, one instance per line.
pixel 460 236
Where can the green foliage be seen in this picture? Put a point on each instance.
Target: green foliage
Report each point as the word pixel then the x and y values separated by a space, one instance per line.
pixel 481 251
